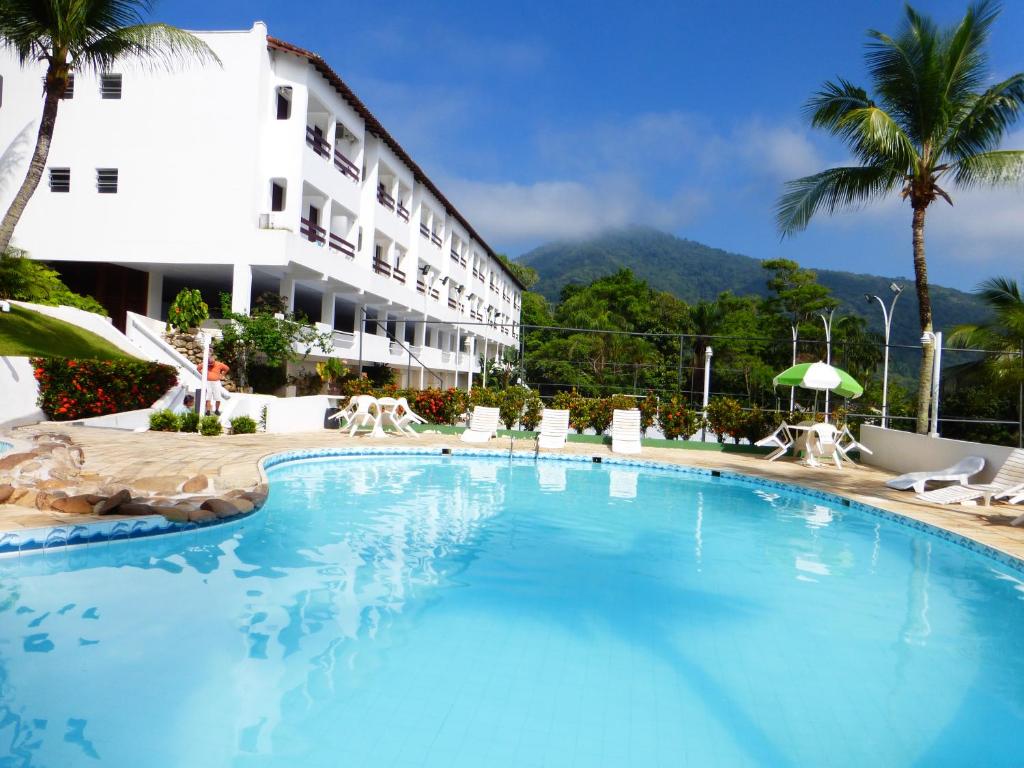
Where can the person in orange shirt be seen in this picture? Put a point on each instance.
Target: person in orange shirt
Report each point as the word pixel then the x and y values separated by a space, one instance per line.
pixel 215 371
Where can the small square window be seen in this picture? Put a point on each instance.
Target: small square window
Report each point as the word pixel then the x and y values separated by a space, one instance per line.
pixel 284 102
pixel 69 88
pixel 106 181
pixel 110 86
pixel 60 179
pixel 276 196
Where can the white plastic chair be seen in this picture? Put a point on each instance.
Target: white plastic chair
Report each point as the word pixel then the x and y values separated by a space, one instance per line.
pixel 626 431
pixel 781 440
pixel 345 414
pixel 1007 484
pixel 483 425
pixel 554 427
pixel 367 411
pixel 402 417
pixel 822 444
pixel 846 442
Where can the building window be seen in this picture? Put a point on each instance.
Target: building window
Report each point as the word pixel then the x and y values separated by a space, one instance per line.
pixel 110 86
pixel 359 239
pixel 277 195
pixel 1 90
pixel 106 181
pixel 284 102
pixel 60 179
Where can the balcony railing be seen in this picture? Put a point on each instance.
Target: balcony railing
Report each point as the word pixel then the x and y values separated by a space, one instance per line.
pixel 317 142
pixel 494 288
pixel 398 274
pixel 435 294
pixel 421 285
pixel 385 199
pixel 342 245
pixel 452 304
pixel 402 211
pixel 312 232
pixel 425 230
pixel 478 274
pixel 346 166
pixel 381 267
pixel 435 239
pixel 455 255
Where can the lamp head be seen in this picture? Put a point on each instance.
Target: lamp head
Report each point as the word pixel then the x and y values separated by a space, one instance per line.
pixel 868 297
pixel 896 288
pixel 927 338
pixel 426 268
pixel 445 280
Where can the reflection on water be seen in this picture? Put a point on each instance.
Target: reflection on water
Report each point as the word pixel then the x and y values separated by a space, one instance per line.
pixel 484 612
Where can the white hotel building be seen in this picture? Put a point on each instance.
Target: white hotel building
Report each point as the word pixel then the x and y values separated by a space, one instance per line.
pixel 265 174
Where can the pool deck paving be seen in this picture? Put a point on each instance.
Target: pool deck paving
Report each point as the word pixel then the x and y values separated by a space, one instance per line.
pixel 149 460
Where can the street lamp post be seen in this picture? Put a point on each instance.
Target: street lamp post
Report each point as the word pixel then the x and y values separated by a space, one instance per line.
pixel 827 320
pixel 935 338
pixel 896 289
pixel 795 328
pixel 708 354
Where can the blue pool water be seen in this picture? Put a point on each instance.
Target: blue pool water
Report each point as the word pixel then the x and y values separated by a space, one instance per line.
pixel 422 611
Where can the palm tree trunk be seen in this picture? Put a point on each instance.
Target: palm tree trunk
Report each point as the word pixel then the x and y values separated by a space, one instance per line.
pixel 54 89
pixel 924 305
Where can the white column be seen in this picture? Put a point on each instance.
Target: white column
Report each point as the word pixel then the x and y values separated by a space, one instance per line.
pixel 241 288
pixel 472 361
pixel 286 289
pixel 327 308
pixel 154 295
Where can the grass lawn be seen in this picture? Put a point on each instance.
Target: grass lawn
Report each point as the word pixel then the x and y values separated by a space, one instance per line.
pixel 24 333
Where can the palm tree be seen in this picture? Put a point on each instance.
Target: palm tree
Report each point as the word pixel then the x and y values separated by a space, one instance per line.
pixel 928 121
pixel 1003 334
pixel 82 36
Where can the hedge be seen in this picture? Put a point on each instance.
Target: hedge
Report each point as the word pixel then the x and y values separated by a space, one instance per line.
pixel 75 389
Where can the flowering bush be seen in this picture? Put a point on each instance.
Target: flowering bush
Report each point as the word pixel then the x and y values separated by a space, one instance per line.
pixel 648 411
pixel 726 418
pixel 578 407
pixel 531 411
pixel 600 413
pixel 677 420
pixel 75 389
pixel 440 406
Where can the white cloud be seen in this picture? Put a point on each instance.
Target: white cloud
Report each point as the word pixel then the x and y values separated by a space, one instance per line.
pixel 517 213
pixel 780 151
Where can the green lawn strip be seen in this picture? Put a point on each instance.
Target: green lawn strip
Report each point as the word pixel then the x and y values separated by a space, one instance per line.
pixel 24 333
pixel 690 445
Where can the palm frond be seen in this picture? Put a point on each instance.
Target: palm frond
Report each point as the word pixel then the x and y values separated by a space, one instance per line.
pixel 828 106
pixel 997 168
pixel 159 46
pixel 986 118
pixel 964 50
pixel 876 138
pixel 1001 292
pixel 832 190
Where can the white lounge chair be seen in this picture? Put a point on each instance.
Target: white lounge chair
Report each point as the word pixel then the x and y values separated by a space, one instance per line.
pixel 781 440
pixel 402 417
pixel 554 427
pixel 1008 483
pixel 367 411
pixel 822 443
pixel 960 473
pixel 626 431
pixel 483 425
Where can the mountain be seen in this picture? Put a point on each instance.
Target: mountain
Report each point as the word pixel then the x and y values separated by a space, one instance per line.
pixel 693 271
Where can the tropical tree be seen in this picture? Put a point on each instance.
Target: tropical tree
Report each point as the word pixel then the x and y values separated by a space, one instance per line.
pixel 82 36
pixel 929 120
pixel 1003 334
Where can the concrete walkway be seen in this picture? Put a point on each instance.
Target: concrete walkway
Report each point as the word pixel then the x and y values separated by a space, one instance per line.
pixel 149 459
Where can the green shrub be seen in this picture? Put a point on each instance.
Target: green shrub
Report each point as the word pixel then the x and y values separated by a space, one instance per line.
pixel 648 411
pixel 578 407
pixel 243 425
pixel 188 310
pixel 599 414
pixel 511 404
pixel 164 421
pixel 488 398
pixel 677 420
pixel 726 418
pixel 189 422
pixel 267 379
pixel 23 279
pixel 75 389
pixel 210 425
pixel 531 411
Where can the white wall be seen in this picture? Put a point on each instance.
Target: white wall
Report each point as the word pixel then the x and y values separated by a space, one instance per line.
pixel 900 452
pixel 297 414
pixel 19 390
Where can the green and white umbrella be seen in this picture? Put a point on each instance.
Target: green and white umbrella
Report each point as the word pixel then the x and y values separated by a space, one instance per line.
pixel 820 377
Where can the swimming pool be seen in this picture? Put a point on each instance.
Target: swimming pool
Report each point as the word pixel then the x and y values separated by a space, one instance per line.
pixel 446 611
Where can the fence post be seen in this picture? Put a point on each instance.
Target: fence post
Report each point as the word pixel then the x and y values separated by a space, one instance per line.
pixel 708 353
pixel 679 378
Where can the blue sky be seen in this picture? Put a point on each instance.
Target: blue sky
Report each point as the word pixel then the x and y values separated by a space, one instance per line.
pixel 548 120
